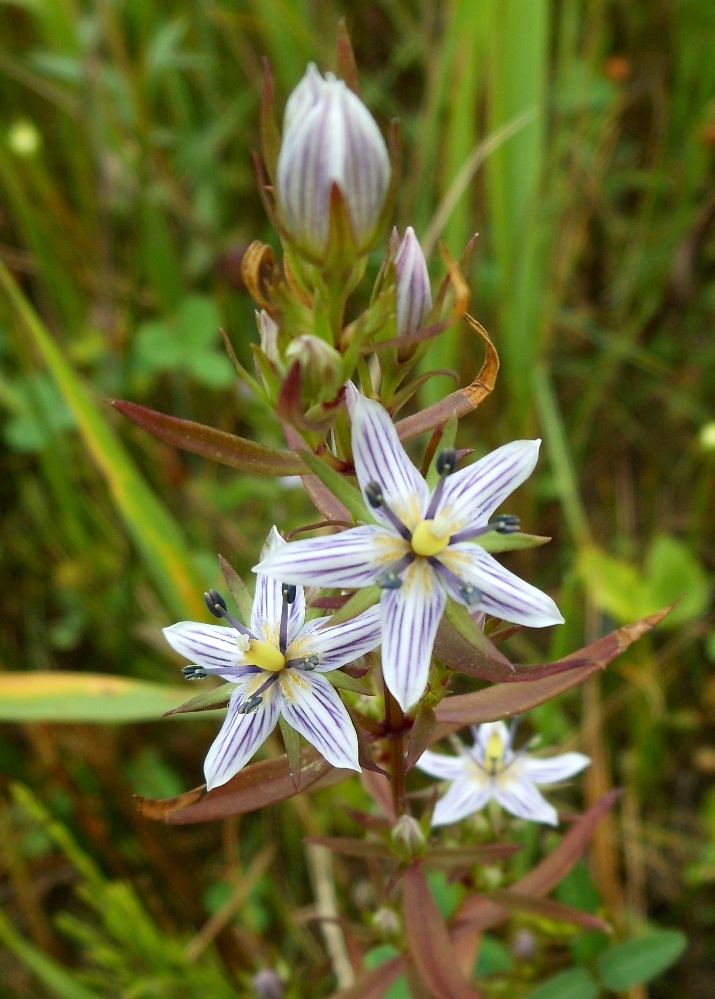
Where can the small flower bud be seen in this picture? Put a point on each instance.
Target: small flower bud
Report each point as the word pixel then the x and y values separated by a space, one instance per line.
pixel 268 332
pixel 330 138
pixel 387 923
pixel 320 365
pixel 414 295
pixel 267 984
pixel 407 835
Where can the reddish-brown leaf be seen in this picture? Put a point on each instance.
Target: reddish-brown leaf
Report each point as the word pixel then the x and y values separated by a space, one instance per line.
pixel 545 908
pixel 446 857
pixel 478 913
pixel 253 787
pixel 227 449
pixel 420 735
pixel 505 700
pixel 369 848
pixel 428 939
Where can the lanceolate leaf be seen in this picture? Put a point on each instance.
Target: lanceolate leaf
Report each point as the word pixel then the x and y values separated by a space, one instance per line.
pixel 216 445
pixel 447 857
pixel 478 913
pixel 154 531
pixel 504 700
pixel 544 908
pixel 207 700
pixel 255 786
pixel 428 940
pixel 237 588
pixel 496 542
pixel 339 486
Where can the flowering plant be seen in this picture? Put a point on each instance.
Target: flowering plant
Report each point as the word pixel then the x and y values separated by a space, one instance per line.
pixel 407 563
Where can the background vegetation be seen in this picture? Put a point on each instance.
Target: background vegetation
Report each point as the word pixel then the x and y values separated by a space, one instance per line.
pixel 578 139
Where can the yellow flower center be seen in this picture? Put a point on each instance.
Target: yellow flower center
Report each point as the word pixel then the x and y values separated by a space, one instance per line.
pixel 494 754
pixel 426 542
pixel 265 655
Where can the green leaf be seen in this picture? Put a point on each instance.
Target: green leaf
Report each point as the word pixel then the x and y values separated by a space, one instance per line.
pixel 156 534
pixel 576 983
pixel 349 495
pixel 211 369
pixel 83 697
pixel 236 452
pixel 494 958
pixel 673 573
pixel 60 983
pixel 636 961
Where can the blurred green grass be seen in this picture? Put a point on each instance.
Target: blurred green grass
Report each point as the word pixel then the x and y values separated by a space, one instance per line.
pixel 126 201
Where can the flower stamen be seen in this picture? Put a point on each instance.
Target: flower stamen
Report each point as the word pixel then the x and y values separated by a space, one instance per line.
pixel 289 593
pixel 446 464
pixel 216 605
pixel 376 499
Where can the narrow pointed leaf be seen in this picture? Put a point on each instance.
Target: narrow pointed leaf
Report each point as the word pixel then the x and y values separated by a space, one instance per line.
pixel 339 486
pixel 330 507
pixel 575 983
pixel 504 700
pixel 154 531
pixel 83 697
pixel 495 542
pixel 637 961
pixel 428 940
pixel 545 908
pixel 353 847
pixel 458 617
pixel 478 913
pixel 447 857
pixel 249 380
pixel 216 445
pixel 255 786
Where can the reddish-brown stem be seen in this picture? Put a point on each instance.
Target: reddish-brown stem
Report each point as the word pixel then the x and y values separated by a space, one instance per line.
pixel 395 729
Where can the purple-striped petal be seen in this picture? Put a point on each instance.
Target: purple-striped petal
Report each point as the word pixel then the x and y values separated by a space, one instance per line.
pixel 503 594
pixel 268 601
pixel 410 616
pixel 215 648
pixel 342 644
pixel 379 457
pixel 483 733
pixel 521 798
pixel 553 769
pixel 472 494
pixel 441 766
pixel 312 707
pixel 241 734
pixel 352 559
pixel 463 798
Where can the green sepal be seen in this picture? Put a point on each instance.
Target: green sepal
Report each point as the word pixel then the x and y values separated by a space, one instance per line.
pixel 495 542
pixel 359 602
pixel 238 590
pixel 291 741
pixel 207 700
pixel 248 380
pixel 348 495
pixel 460 619
pixel 343 681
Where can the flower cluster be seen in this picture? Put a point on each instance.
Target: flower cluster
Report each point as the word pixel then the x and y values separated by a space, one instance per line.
pixel 418 544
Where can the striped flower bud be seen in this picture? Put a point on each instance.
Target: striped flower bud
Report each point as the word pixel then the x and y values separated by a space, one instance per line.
pixel 414 295
pixel 330 140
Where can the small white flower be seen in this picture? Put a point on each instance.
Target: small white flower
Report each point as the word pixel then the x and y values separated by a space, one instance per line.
pixel 422 549
pixel 414 295
pixel 330 139
pixel 490 769
pixel 276 667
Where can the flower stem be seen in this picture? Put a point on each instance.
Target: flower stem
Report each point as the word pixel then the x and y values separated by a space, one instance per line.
pixel 395 728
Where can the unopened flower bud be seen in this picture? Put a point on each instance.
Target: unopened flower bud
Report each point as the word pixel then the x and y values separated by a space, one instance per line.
pixel 387 923
pixel 414 295
pixel 407 835
pixel 268 332
pixel 330 138
pixel 320 366
pixel 267 984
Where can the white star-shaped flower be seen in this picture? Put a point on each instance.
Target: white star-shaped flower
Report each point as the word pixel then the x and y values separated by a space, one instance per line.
pixel 490 769
pixel 423 548
pixel 276 666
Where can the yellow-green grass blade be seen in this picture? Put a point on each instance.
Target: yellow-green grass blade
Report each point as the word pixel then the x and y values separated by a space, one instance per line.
pixel 153 529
